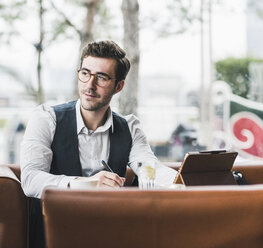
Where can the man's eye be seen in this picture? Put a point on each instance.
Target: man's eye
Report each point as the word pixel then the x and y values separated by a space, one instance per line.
pixel 84 73
pixel 102 78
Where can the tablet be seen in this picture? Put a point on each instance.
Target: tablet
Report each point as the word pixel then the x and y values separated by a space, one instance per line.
pixel 207 168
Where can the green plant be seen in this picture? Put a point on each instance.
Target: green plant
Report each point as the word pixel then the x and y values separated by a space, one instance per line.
pixel 235 71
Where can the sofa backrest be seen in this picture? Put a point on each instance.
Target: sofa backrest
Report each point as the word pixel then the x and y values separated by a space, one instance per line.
pixel 251 171
pixel 197 217
pixel 13 213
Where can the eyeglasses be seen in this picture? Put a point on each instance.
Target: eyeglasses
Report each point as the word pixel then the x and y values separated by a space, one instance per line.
pixel 100 79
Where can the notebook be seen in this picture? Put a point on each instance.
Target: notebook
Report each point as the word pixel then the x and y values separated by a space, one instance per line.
pixel 207 168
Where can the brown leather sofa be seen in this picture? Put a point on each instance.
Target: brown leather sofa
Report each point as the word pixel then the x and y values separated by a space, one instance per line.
pixel 252 171
pixel 228 216
pixel 14 204
pixel 13 213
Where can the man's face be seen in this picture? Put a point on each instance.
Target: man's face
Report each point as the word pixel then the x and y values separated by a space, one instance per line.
pixel 92 96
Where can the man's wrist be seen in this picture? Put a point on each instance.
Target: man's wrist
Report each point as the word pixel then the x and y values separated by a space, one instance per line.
pixel 65 181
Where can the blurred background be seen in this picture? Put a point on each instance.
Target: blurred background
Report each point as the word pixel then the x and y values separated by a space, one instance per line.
pixel 191 60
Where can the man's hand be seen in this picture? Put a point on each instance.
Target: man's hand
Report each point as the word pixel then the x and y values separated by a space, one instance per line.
pixel 105 179
pixel 109 179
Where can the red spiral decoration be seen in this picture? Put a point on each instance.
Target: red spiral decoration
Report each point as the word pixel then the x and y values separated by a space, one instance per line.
pixel 247 131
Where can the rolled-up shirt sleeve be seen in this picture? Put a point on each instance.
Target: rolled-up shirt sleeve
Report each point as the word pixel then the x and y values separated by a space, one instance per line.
pixel 36 154
pixel 141 151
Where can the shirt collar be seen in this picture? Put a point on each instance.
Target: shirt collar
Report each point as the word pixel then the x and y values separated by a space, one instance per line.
pixel 103 128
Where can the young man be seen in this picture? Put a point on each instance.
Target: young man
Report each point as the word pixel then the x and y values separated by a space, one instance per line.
pixel 67 142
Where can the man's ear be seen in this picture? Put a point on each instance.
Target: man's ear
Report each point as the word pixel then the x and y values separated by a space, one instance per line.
pixel 119 86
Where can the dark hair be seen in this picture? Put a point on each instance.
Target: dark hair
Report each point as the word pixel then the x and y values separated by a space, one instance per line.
pixel 108 49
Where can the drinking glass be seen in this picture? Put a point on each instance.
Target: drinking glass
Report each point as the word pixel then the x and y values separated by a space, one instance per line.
pixel 146 174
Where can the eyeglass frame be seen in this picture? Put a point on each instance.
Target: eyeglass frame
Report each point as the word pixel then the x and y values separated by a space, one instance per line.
pixel 95 75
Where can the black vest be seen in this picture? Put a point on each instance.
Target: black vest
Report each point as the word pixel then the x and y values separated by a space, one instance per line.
pixel 66 159
pixel 65 143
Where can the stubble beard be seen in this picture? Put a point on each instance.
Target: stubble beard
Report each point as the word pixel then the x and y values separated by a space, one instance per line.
pixel 90 105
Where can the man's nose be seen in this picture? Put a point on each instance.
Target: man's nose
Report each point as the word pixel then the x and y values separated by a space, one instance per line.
pixel 91 83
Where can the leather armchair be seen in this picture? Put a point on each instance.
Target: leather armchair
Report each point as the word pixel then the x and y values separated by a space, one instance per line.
pixel 224 216
pixel 13 212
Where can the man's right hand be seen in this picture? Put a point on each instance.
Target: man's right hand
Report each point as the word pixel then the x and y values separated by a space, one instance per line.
pixel 106 179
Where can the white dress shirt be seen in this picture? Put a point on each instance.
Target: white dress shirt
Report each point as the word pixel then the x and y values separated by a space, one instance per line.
pixel 36 153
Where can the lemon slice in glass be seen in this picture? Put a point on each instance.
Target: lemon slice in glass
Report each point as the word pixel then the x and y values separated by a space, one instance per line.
pixel 150 172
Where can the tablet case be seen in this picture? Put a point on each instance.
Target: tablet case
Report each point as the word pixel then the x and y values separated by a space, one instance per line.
pixel 207 168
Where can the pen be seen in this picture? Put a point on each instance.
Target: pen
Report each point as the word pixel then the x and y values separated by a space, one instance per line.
pixel 106 166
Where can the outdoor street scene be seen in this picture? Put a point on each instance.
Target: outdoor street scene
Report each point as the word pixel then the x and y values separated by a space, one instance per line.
pixel 196 81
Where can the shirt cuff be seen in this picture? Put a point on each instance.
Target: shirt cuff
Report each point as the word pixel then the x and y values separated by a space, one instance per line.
pixel 165 175
pixel 64 183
